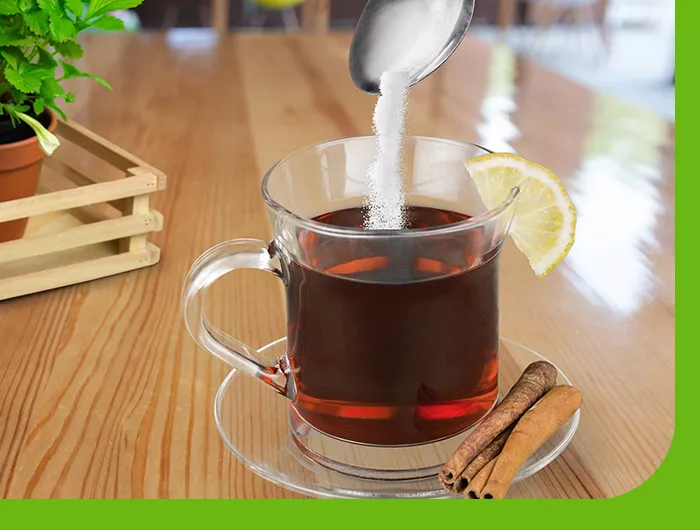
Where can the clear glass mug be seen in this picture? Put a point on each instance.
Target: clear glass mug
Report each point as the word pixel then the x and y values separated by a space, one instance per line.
pixel 392 337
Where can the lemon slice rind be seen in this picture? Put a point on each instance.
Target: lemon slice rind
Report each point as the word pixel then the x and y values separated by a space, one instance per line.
pixel 544 222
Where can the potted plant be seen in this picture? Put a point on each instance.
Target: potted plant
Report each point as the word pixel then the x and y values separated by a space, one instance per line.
pixel 38 41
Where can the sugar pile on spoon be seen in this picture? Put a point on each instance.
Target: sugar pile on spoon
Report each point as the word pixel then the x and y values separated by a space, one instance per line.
pixel 386 198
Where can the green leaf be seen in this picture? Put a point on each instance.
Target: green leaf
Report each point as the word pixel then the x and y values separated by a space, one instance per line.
pixel 9 7
pixel 70 97
pixel 22 81
pixel 70 71
pixel 75 7
pixel 12 56
pixel 5 88
pixel 38 106
pixel 96 7
pixel 45 59
pixel 101 81
pixel 62 29
pixel 52 7
pixel 27 77
pixel 37 21
pixel 8 40
pixel 50 89
pixel 26 5
pixel 42 72
pixel 12 116
pixel 101 7
pixel 56 108
pixel 17 96
pixel 80 25
pixel 15 112
pixel 15 42
pixel 108 23
pixel 69 49
pixel 11 37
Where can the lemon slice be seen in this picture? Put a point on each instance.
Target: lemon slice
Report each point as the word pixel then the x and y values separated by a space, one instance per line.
pixel 545 219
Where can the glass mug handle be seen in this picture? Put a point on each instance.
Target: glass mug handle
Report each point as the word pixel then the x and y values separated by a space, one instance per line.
pixel 209 267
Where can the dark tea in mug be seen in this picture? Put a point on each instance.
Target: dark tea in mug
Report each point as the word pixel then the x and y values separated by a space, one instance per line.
pixel 394 342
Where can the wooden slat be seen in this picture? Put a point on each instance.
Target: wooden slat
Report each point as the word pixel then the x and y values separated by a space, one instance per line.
pixel 146 170
pixel 51 181
pixel 98 146
pixel 71 172
pixel 75 175
pixel 63 200
pixel 138 205
pixel 80 236
pixel 78 272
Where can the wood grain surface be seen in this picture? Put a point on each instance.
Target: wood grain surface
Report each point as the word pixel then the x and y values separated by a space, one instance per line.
pixel 103 393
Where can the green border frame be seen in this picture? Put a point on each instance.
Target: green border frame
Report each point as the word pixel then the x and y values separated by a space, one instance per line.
pixel 658 503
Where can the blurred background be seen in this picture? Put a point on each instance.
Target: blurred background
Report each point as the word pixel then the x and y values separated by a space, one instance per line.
pixel 622 47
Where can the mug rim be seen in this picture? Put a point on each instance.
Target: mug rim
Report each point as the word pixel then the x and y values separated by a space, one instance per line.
pixel 333 230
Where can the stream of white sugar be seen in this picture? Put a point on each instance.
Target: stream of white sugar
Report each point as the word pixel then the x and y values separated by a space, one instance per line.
pixel 386 199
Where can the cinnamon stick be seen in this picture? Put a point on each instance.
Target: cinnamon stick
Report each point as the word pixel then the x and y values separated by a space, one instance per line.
pixel 480 480
pixel 537 379
pixel 491 451
pixel 534 428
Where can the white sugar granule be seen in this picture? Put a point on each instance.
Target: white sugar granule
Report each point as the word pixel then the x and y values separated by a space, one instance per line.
pixel 386 200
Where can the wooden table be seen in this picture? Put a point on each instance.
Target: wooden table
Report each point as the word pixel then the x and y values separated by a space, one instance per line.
pixel 102 392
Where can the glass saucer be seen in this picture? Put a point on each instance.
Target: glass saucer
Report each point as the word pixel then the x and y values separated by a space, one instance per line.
pixel 254 423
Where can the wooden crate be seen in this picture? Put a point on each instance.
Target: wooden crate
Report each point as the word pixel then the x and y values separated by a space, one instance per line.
pixel 89 220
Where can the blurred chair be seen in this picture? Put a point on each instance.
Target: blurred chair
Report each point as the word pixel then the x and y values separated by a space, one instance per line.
pixel 256 12
pixel 315 14
pixel 578 15
pixel 174 10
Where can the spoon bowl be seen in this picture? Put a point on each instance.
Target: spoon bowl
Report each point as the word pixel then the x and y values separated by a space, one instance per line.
pixel 412 36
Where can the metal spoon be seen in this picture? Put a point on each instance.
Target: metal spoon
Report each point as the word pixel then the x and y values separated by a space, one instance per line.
pixel 412 36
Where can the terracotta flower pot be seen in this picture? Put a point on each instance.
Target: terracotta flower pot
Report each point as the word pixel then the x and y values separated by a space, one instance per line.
pixel 20 163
